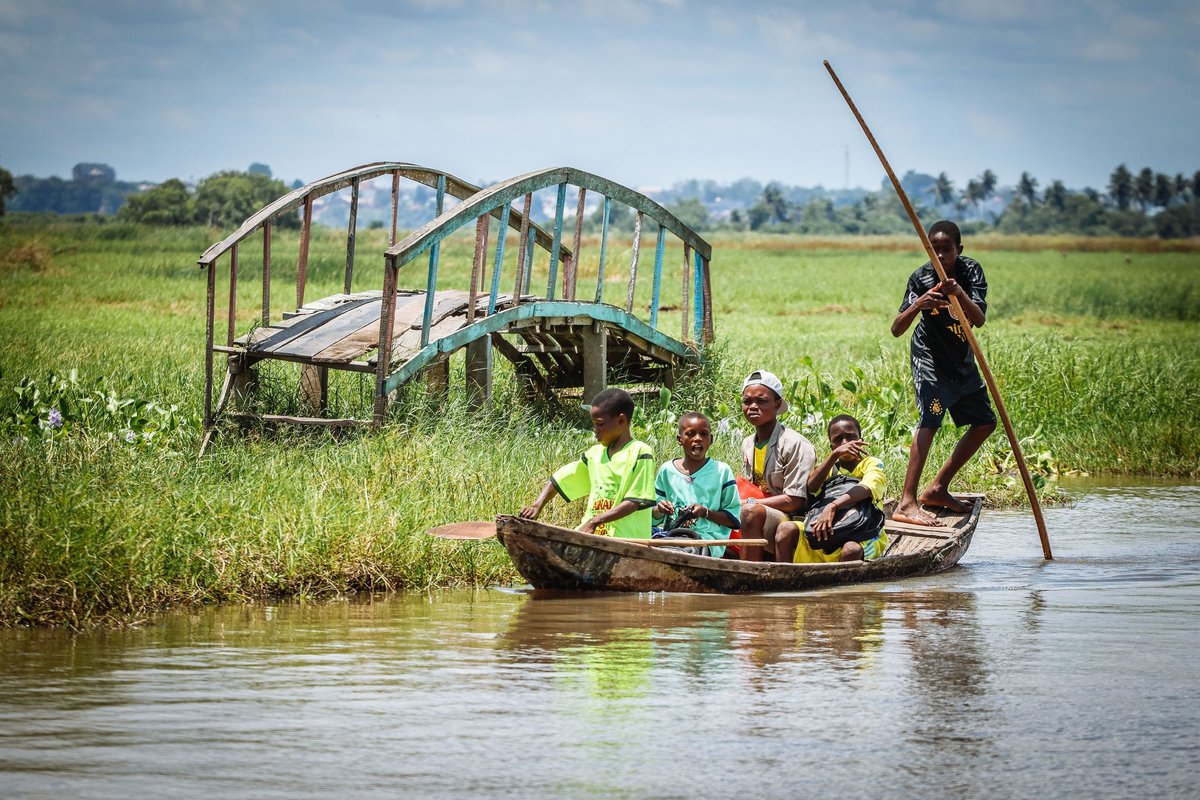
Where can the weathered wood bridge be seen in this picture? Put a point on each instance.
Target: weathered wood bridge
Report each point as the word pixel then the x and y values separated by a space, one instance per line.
pixel 554 341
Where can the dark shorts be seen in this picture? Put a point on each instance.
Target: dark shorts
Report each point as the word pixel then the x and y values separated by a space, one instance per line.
pixel 966 408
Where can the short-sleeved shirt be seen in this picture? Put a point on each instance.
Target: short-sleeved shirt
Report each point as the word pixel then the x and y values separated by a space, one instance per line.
pixel 939 350
pixel 627 475
pixel 712 486
pixel 786 462
pixel 870 474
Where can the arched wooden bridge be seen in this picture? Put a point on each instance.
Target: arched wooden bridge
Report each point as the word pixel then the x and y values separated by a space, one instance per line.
pixel 554 340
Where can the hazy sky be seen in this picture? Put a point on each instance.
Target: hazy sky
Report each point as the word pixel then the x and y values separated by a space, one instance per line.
pixel 645 93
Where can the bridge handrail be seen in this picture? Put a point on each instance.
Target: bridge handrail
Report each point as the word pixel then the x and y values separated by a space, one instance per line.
pixel 497 195
pixel 443 182
pixel 427 176
pixel 500 198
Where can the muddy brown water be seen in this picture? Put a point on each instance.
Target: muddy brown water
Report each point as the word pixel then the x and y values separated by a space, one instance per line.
pixel 1005 677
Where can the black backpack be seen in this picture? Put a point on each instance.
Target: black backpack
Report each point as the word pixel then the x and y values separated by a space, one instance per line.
pixel 858 523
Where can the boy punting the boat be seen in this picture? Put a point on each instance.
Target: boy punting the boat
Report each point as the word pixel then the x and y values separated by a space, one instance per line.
pixel 945 376
pixel 845 523
pixel 616 475
pixel 778 460
pixel 702 485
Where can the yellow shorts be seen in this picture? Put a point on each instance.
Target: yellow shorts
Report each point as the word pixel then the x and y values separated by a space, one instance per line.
pixel 805 554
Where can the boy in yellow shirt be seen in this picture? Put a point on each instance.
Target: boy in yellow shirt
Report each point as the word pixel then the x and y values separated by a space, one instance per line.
pixel 617 475
pixel 849 457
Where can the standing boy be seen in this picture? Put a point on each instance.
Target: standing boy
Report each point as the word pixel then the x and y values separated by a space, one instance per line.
pixel 617 475
pixel 945 376
pixel 778 459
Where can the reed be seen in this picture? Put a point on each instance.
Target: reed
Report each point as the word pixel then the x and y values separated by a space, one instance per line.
pixel 109 517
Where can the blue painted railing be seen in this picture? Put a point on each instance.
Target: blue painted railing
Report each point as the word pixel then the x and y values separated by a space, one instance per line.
pixel 303 199
pixel 497 200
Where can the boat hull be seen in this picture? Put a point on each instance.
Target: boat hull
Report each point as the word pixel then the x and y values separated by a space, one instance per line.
pixel 550 557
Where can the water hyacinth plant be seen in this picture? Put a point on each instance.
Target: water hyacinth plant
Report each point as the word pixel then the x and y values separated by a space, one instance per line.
pixel 61 406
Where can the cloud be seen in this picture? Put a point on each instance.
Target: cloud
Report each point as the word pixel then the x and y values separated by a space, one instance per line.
pixel 991 126
pixel 1114 50
pixel 791 34
pixel 989 10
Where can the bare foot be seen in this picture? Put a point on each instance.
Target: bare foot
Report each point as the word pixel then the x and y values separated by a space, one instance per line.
pixel 914 515
pixel 940 498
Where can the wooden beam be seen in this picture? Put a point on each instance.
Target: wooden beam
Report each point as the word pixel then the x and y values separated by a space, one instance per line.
pixel 479 372
pixel 302 261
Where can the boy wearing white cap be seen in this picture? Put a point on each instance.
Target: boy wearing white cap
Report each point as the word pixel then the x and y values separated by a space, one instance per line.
pixel 778 460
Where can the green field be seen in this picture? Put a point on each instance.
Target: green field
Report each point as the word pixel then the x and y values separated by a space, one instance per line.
pixel 111 517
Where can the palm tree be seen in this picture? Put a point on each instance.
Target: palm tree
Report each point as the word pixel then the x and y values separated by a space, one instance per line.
pixel 943 190
pixel 1164 190
pixel 1120 187
pixel 973 193
pixel 1182 188
pixel 987 183
pixel 1027 188
pixel 1143 188
pixel 775 202
pixel 1056 195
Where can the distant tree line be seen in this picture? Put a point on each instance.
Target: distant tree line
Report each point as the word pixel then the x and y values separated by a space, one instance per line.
pixel 92 189
pixel 1146 204
pixel 223 199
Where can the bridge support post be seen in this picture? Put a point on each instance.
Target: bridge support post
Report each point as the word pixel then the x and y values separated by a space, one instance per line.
pixel 595 360
pixel 244 380
pixel 479 372
pixel 437 379
pixel 314 388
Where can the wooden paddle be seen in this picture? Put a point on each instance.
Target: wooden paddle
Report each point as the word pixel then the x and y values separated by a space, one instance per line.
pixel 983 365
pixel 479 529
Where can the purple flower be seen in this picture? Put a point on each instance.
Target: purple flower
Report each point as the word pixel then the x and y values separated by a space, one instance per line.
pixel 130 437
pixel 55 418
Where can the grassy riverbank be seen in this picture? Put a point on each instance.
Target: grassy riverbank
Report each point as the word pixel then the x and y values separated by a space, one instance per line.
pixel 110 516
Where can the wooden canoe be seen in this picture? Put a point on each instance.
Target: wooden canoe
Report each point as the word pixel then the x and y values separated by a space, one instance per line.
pixel 550 557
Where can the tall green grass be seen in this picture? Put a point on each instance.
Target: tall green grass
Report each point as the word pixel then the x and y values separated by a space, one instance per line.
pixel 1097 354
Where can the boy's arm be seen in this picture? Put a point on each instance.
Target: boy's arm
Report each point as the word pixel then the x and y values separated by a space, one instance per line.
pixel 532 511
pixel 930 300
pixel 823 525
pixel 621 509
pixel 975 315
pixel 816 478
pixel 662 487
pixel 795 466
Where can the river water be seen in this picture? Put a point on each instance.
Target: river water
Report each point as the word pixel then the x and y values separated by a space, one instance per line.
pixel 1004 677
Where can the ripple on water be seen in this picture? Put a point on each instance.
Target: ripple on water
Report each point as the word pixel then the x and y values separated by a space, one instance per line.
pixel 1007 676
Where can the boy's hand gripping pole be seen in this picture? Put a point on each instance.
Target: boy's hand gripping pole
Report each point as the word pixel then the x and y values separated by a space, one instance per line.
pixel 983 365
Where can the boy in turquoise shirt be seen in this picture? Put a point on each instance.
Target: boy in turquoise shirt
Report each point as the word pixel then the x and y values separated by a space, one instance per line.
pixel 703 485
pixel 616 475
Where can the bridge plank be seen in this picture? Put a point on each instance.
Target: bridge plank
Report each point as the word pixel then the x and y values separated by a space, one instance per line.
pixel 313 342
pixel 367 337
pixel 445 303
pixel 303 325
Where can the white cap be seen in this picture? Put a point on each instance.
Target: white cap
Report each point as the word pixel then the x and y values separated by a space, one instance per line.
pixel 760 377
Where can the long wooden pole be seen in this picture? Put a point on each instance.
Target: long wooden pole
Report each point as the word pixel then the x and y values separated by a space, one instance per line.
pixel 983 365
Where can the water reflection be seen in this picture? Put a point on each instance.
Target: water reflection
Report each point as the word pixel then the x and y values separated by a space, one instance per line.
pixel 1005 676
pixel 698 634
